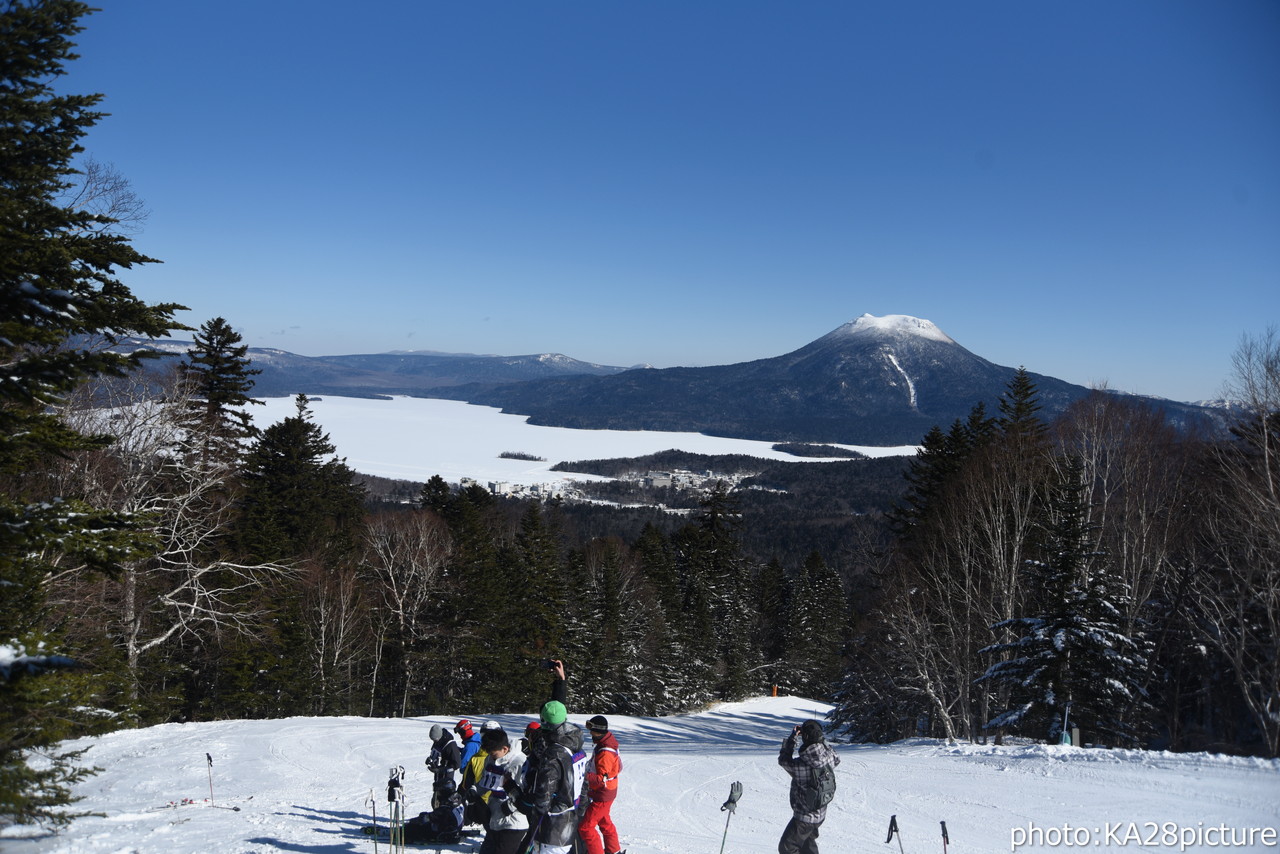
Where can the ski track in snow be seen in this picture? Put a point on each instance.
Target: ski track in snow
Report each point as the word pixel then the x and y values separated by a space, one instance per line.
pixel 303 786
pixel 911 387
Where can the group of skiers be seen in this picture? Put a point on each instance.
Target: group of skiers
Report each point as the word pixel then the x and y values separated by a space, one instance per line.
pixel 541 793
pixel 528 794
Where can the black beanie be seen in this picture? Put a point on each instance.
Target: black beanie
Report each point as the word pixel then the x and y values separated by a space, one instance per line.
pixel 811 731
pixel 598 724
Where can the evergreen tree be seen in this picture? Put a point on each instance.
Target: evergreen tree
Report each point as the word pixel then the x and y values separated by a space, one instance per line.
pixel 935 467
pixel 609 634
pixel 816 629
pixel 671 681
pixel 58 268
pixel 1019 409
pixel 218 378
pixel 623 642
pixel 473 579
pixel 658 564
pixel 1071 650
pixel 300 506
pixel 435 494
pixel 717 578
pixel 298 499
pixel 773 606
pixel 529 589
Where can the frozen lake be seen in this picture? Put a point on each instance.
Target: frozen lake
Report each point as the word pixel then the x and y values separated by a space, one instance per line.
pixel 413 438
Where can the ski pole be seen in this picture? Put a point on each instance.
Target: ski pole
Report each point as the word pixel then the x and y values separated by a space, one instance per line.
pixel 533 837
pixel 373 805
pixel 731 806
pixel 395 798
pixel 210 759
pixel 945 840
pixel 893 829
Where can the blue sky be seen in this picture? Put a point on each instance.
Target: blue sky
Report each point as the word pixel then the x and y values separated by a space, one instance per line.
pixel 1089 189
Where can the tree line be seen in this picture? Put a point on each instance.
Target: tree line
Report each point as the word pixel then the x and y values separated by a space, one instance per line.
pixel 1099 570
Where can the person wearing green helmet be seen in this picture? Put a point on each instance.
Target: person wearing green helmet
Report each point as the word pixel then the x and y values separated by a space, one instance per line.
pixel 553 795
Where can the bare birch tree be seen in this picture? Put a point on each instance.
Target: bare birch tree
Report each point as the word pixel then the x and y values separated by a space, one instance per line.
pixel 188 586
pixel 1240 593
pixel 336 613
pixel 407 553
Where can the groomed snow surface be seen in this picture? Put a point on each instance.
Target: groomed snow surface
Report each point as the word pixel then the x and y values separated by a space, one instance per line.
pixel 412 438
pixel 302 785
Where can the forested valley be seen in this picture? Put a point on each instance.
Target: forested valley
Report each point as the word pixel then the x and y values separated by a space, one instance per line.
pixel 1099 569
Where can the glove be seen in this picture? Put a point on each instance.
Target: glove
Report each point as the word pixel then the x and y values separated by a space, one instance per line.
pixel 735 792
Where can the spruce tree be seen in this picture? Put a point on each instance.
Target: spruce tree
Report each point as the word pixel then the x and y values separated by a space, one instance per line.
pixel 299 500
pixel 528 587
pixel 773 605
pixel 623 641
pixel 299 505
pixel 435 494
pixel 219 379
pixel 1071 649
pixel 1019 409
pixel 472 580
pixel 823 644
pixel 718 579
pixel 669 676
pixel 58 283
pixel 935 468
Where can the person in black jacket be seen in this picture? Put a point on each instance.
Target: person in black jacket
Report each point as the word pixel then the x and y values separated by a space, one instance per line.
pixel 557 763
pixel 557 804
pixel 444 761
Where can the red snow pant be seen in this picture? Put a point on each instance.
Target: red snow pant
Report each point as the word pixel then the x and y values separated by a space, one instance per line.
pixel 597 817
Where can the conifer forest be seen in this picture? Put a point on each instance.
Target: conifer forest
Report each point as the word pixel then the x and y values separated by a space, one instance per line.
pixel 163 560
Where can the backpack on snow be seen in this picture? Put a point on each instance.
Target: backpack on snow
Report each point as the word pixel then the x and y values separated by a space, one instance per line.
pixel 442 824
pixel 819 792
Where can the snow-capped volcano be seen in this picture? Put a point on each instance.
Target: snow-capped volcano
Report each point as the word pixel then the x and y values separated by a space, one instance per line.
pixel 874 380
pixel 891 325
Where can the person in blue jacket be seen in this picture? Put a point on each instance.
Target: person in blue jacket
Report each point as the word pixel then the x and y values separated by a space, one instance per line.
pixel 470 740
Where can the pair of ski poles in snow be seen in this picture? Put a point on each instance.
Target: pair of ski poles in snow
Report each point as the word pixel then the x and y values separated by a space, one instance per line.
pixel 893 831
pixel 395 809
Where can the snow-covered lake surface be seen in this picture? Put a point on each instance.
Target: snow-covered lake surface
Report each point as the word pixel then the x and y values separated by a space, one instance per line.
pixel 414 438
pixel 302 785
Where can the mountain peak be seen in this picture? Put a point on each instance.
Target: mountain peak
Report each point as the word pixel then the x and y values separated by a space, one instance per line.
pixel 892 326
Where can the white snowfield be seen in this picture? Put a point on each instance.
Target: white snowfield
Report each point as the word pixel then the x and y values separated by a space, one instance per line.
pixel 414 438
pixel 302 785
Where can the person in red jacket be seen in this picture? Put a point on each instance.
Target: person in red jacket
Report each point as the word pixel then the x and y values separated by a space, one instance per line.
pixel 596 829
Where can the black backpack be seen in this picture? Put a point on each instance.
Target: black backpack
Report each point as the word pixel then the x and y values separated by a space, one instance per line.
pixel 820 790
pixel 442 824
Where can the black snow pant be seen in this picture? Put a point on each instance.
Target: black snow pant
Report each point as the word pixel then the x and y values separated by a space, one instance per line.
pixel 503 842
pixel 800 837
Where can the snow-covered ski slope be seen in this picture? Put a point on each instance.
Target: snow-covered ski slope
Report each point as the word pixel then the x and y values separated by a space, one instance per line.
pixel 302 785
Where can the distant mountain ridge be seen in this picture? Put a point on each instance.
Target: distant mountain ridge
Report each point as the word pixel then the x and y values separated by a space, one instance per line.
pixel 384 374
pixel 875 380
